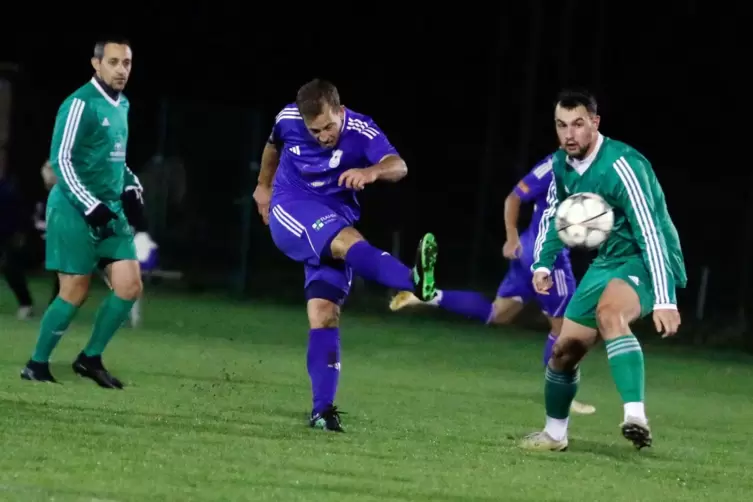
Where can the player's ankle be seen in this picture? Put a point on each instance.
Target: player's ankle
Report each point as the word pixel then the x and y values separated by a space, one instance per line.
pixel 434 302
pixel 635 410
pixel 556 428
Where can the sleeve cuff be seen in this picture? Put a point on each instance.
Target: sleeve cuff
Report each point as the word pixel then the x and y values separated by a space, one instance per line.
pixel 665 306
pixel 542 269
pixel 91 208
pixel 517 191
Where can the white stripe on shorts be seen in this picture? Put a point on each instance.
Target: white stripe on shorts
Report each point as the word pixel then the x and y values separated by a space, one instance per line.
pixel 560 282
pixel 287 221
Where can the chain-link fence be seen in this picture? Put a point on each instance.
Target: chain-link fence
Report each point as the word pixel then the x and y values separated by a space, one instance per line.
pixel 197 188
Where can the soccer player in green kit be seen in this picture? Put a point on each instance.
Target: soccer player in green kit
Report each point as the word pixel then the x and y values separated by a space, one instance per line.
pixel 635 273
pixel 90 212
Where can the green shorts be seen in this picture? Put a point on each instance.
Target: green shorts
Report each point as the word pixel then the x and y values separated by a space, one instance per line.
pixel 72 247
pixel 582 307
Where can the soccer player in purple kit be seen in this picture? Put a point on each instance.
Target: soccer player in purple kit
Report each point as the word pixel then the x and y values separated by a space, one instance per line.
pixel 516 288
pixel 319 155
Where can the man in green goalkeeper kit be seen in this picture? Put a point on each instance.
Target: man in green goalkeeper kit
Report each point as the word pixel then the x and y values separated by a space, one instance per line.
pixel 635 273
pixel 90 212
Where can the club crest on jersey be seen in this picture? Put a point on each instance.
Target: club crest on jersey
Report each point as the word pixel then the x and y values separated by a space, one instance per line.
pixel 334 161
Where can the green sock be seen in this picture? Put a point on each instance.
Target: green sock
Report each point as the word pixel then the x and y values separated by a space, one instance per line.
pixel 626 362
pixel 559 391
pixel 55 321
pixel 110 316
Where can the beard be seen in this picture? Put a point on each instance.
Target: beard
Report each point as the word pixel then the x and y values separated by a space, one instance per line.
pixel 581 153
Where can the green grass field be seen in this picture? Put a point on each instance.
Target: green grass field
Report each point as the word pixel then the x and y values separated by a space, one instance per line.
pixel 218 396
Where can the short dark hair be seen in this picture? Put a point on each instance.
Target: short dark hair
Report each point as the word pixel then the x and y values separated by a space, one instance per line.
pixel 99 46
pixel 312 96
pixel 573 98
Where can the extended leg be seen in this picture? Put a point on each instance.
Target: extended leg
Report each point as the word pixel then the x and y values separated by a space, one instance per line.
pixel 310 232
pixel 618 307
pixel 502 311
pixel 379 266
pixel 512 294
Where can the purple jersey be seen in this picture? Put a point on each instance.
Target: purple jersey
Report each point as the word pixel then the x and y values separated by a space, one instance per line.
pixel 310 171
pixel 533 188
pixel 308 208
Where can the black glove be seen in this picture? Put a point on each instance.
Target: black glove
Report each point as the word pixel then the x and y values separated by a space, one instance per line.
pixel 100 216
pixel 133 207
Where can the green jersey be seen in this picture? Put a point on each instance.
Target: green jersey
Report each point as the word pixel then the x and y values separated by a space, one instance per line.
pixel 642 225
pixel 88 151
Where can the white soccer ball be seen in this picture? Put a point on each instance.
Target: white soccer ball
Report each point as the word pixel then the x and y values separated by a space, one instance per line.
pixel 584 220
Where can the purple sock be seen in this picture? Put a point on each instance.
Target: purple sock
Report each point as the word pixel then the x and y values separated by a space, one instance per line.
pixel 379 266
pixel 548 348
pixel 323 362
pixel 467 303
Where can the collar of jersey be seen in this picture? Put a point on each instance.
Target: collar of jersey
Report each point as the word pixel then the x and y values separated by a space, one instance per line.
pixel 113 102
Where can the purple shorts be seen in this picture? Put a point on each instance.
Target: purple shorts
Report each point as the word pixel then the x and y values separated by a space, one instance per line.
pixel 518 284
pixel 303 230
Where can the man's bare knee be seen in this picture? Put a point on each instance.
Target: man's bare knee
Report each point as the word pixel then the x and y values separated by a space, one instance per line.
pixel 572 345
pixel 125 279
pixel 611 321
pixel 619 305
pixel 343 241
pixel 74 288
pixel 322 313
pixel 504 310
pixel 567 353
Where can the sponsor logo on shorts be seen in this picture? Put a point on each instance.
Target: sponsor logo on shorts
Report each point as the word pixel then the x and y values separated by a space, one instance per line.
pixel 319 224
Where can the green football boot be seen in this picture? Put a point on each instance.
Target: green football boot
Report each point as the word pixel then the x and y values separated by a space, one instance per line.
pixel 423 271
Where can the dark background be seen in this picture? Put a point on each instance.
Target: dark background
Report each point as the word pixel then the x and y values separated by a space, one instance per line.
pixel 465 93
